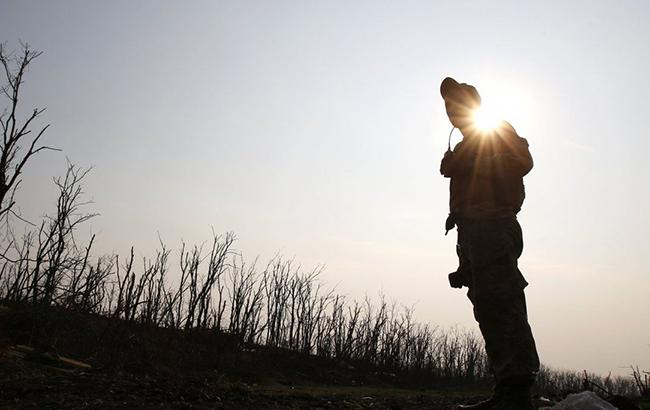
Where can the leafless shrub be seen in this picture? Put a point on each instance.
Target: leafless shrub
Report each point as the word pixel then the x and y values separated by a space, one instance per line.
pixel 642 381
pixel 153 310
pixel 246 301
pixel 48 266
pixel 200 288
pixel 558 383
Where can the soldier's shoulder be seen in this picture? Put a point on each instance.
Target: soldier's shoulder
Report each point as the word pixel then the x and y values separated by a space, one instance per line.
pixel 506 128
pixel 508 131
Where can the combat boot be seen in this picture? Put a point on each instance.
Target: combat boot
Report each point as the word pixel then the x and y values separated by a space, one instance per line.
pixel 510 394
pixel 516 394
pixel 485 404
pixel 514 402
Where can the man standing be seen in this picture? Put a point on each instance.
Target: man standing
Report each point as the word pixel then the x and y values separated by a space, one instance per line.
pixel 486 192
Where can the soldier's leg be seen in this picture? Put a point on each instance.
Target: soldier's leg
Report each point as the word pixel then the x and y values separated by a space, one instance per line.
pixel 500 308
pixel 509 342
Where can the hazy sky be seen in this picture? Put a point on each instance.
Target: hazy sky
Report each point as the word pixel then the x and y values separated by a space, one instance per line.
pixel 316 129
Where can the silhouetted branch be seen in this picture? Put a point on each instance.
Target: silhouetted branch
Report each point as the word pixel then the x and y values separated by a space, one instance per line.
pixel 14 133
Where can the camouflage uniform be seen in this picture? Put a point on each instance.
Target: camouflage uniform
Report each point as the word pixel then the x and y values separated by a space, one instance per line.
pixel 488 251
pixel 486 192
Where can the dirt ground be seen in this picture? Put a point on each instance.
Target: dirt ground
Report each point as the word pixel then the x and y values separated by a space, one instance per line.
pixel 52 358
pixel 37 384
pixel 56 359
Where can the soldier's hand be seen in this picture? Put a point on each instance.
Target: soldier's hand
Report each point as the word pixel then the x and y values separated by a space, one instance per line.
pixel 444 164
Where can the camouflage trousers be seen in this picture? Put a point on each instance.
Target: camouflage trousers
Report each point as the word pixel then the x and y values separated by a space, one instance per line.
pixel 488 250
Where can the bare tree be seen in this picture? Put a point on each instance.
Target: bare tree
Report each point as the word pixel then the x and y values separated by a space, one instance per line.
pixel 16 133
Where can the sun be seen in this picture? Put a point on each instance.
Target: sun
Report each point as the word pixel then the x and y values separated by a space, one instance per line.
pixel 486 118
pixel 504 99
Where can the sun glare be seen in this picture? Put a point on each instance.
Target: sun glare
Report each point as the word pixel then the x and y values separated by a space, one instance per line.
pixel 486 119
pixel 503 99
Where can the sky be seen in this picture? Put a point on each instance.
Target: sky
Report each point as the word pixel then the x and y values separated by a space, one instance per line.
pixel 315 129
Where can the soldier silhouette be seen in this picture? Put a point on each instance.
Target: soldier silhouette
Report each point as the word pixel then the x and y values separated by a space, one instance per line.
pixel 486 192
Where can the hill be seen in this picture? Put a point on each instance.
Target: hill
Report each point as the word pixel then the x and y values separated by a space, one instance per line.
pixel 57 358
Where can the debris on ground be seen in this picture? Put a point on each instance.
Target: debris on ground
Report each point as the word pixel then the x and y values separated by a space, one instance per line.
pixel 46 357
pixel 586 400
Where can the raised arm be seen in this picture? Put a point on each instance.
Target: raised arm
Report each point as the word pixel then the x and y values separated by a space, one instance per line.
pixel 457 162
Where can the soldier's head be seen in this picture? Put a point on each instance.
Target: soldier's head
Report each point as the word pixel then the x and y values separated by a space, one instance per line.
pixel 461 100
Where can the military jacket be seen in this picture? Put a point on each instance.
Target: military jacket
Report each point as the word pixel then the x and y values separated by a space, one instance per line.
pixel 486 171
